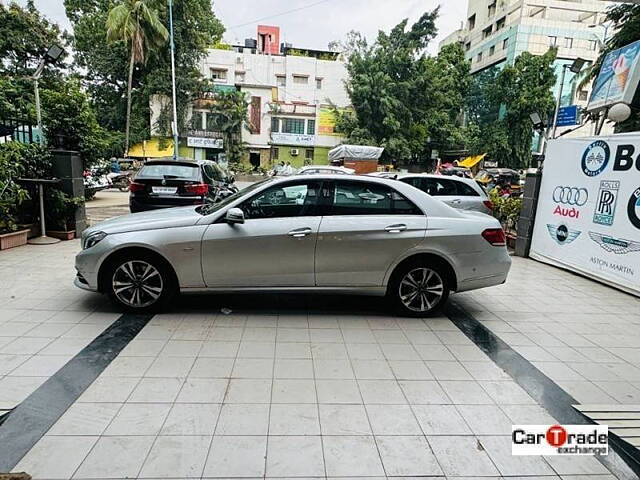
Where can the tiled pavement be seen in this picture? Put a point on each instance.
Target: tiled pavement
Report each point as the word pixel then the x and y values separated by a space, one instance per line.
pixel 300 393
pixel 44 319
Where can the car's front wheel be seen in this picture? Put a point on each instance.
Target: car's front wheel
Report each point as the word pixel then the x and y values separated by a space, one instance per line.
pixel 419 289
pixel 140 283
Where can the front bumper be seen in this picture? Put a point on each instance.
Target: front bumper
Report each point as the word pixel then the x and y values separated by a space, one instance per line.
pixel 80 282
pixel 88 264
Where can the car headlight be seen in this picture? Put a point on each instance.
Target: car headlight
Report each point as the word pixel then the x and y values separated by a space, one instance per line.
pixel 93 239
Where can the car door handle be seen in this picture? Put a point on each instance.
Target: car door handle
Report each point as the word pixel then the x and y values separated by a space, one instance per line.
pixel 456 201
pixel 396 228
pixel 300 232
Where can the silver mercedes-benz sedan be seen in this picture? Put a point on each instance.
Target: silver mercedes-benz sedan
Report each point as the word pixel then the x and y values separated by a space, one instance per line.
pixel 310 233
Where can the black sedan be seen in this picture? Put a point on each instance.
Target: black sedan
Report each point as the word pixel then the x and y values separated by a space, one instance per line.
pixel 171 183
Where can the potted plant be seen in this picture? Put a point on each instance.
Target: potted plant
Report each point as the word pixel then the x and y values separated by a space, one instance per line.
pixel 11 197
pixel 60 213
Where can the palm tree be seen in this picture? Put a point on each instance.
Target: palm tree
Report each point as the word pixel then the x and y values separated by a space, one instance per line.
pixel 137 23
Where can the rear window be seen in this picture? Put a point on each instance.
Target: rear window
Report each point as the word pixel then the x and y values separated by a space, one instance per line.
pixel 168 171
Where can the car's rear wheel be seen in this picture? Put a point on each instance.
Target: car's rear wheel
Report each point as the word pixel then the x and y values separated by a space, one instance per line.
pixel 140 283
pixel 418 289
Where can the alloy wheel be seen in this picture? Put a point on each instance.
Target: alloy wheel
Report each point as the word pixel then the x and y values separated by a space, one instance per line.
pixel 421 289
pixel 137 284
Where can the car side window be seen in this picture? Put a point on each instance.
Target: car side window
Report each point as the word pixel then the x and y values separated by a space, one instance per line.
pixel 466 190
pixel 362 198
pixel 210 174
pixel 416 182
pixel 439 187
pixel 283 200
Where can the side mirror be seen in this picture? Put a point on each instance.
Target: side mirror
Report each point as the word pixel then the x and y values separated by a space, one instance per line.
pixel 234 215
pixel 231 179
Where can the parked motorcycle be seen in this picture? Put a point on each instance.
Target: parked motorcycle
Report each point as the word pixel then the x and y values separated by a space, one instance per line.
pixel 94 181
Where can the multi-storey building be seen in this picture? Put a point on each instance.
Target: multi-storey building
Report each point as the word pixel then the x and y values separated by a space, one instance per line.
pixel 496 32
pixel 290 91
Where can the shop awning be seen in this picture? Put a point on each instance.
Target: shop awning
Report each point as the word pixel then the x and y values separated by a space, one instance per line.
pixel 471 161
pixel 151 149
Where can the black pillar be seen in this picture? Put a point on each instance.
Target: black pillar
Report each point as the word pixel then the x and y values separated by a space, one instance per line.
pixel 68 167
pixel 528 214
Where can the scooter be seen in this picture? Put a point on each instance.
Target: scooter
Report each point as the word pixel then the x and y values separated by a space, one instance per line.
pixel 120 180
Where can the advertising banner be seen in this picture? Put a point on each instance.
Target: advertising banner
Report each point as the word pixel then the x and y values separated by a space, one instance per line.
pixel 588 217
pixel 327 122
pixel 618 78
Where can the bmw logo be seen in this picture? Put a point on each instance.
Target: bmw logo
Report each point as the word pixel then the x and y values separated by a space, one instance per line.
pixel 633 208
pixel 595 158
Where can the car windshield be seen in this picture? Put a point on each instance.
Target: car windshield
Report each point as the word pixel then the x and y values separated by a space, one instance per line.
pixel 209 208
pixel 182 172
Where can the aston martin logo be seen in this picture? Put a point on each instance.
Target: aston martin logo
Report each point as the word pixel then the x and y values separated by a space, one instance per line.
pixel 619 246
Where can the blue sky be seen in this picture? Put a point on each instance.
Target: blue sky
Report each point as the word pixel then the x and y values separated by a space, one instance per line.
pixel 316 22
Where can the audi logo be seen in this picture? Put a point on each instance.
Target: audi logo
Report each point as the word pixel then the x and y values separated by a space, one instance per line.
pixel 571 196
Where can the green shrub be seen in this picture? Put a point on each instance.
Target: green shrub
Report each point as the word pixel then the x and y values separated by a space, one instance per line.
pixel 19 160
pixel 60 209
pixel 506 209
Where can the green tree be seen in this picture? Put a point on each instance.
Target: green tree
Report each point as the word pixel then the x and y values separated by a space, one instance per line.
pixel 70 122
pixel 105 69
pixel 25 37
pixel 522 89
pixel 230 109
pixel 403 99
pixel 500 102
pixel 137 23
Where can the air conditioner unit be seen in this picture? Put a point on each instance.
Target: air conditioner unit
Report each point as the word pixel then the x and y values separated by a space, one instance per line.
pixel 295 152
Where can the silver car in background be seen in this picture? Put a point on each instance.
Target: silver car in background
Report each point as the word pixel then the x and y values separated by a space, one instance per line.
pixel 457 192
pixel 308 233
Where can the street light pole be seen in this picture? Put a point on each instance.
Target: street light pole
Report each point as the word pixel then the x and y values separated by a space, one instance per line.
pixel 558 100
pixel 36 77
pixel 173 84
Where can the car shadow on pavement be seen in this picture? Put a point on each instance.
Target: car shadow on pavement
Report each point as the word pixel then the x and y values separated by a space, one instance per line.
pixel 266 303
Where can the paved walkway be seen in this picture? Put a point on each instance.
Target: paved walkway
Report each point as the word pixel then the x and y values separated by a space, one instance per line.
pixel 312 387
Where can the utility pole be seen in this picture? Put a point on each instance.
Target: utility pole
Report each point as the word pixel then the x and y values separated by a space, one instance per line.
pixel 558 100
pixel 173 84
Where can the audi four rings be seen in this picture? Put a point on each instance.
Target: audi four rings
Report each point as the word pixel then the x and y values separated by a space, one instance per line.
pixel 571 196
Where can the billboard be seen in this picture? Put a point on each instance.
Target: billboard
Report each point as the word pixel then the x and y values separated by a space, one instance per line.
pixel 618 78
pixel 327 122
pixel 588 216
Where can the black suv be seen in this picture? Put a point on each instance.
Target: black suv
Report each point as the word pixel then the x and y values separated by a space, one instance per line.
pixel 178 183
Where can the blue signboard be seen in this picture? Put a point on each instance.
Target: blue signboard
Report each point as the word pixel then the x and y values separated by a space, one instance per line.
pixel 568 116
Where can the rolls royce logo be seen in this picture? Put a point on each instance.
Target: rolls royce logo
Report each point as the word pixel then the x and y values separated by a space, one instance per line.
pixel 606 203
pixel 619 246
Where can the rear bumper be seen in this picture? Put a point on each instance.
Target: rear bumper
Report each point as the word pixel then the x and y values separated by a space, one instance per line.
pixel 484 269
pixel 482 282
pixel 142 204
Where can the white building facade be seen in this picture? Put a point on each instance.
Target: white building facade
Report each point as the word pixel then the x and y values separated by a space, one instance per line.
pixel 290 104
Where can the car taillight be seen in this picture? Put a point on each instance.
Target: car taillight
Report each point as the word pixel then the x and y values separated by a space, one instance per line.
pixel 136 187
pixel 197 189
pixel 495 236
pixel 488 204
